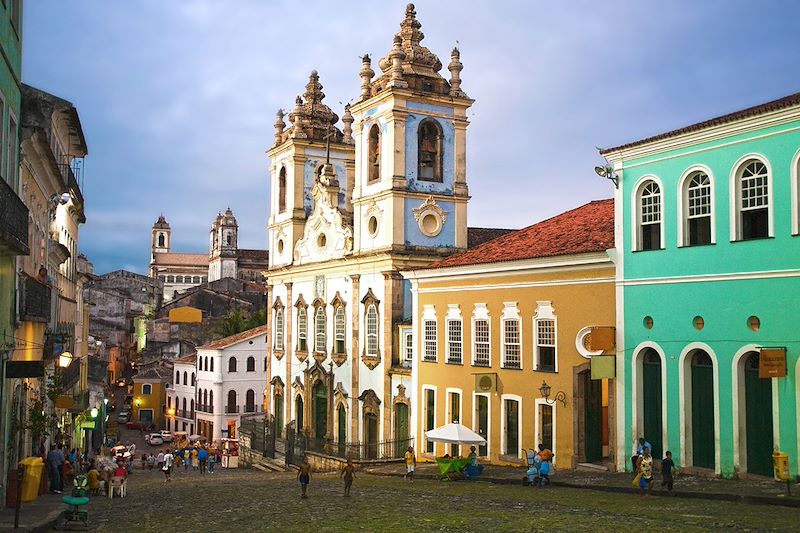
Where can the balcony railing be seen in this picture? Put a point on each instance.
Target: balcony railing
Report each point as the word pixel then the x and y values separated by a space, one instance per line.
pixel 383 450
pixel 34 300
pixel 231 409
pixel 13 221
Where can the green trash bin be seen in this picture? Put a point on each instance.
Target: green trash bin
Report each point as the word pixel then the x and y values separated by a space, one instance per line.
pixel 33 467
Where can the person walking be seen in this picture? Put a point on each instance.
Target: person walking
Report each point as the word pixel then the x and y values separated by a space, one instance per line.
pixel 411 464
pixel 638 446
pixel 195 460
pixel 160 459
pixel 151 461
pixel 304 476
pixel 212 458
pixel 348 473
pixel 169 460
pixel 202 458
pixel 55 462
pixel 644 467
pixel 667 464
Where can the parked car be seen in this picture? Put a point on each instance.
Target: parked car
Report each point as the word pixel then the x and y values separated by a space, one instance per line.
pixel 166 435
pixel 154 439
pixel 124 417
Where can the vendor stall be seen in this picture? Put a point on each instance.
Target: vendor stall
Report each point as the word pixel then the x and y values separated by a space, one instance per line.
pixel 230 453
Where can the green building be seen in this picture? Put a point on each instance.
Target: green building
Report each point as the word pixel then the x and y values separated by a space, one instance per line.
pixel 13 213
pixel 708 290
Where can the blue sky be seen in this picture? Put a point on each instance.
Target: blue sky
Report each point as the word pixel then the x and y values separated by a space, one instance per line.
pixel 177 98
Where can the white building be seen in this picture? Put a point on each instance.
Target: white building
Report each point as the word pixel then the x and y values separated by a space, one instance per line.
pixel 230 382
pixel 181 395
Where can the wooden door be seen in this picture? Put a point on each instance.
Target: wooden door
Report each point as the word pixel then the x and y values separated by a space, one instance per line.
pixel 651 405
pixel 758 423
pixel 593 417
pixel 703 446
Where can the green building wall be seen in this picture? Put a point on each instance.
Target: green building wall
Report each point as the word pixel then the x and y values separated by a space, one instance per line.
pixel 724 283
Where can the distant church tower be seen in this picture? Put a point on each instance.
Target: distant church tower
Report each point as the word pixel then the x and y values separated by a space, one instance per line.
pixel 161 236
pixel 223 247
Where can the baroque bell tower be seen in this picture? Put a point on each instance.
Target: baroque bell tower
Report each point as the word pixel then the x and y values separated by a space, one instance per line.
pixel 410 149
pixel 297 157
pixel 224 247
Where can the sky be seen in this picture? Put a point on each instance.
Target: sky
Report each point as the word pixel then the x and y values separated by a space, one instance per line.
pixel 177 97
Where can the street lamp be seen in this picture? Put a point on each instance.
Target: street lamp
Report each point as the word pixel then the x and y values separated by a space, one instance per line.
pixel 64 359
pixel 94 412
pixel 607 171
pixel 560 396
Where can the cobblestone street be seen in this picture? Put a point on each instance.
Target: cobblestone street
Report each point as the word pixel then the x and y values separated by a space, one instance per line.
pixel 247 500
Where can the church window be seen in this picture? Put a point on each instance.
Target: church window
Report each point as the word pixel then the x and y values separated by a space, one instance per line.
pixel 282 190
pixel 229 239
pixel 279 328
pixel 196 279
pixel 339 330
pixel 178 279
pixel 649 221
pixel 374 154
pixel 752 201
pixel 430 151
pixel 170 279
pixel 302 329
pixel 161 240
pixel 320 330
pixel 372 330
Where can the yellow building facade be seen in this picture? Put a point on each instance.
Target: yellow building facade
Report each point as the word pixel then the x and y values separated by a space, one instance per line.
pixel 150 396
pixel 499 325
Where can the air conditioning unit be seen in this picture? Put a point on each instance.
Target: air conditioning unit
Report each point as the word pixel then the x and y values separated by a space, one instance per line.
pixel 486 382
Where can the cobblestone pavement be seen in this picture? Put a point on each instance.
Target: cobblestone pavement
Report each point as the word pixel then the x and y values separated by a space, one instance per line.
pixel 249 500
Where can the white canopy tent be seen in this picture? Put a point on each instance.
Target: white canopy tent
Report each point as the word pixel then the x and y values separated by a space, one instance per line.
pixel 454 434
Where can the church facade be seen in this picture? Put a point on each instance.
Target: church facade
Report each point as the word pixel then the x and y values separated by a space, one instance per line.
pixel 350 209
pixel 180 271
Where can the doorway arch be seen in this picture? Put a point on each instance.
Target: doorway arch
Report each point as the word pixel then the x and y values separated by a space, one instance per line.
pixel 320 410
pixel 755 415
pixel 649 374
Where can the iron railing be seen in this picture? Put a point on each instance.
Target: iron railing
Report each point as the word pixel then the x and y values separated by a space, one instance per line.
pixel 381 450
pixel 34 300
pixel 262 432
pixel 231 409
pixel 13 221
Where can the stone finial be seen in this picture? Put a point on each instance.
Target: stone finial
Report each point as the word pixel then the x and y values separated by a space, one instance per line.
pixel 280 125
pixel 328 176
pixel 296 117
pixel 347 131
pixel 396 56
pixel 455 67
pixel 366 74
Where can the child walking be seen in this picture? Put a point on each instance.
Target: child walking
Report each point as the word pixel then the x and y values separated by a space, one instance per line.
pixel 411 464
pixel 348 473
pixel 304 476
pixel 666 471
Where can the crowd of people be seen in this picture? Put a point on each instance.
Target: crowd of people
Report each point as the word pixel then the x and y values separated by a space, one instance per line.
pixel 198 457
pixel 643 468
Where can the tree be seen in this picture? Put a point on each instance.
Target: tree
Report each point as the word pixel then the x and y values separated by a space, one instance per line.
pixel 237 322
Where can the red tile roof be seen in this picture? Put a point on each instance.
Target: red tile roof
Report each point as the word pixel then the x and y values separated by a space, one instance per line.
pixel 589 228
pixel 187 359
pixel 178 259
pixel 478 236
pixel 774 105
pixel 233 339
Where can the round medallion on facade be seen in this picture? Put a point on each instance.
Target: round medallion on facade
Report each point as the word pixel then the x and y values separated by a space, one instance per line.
pixel 372 226
pixel 430 224
pixel 583 343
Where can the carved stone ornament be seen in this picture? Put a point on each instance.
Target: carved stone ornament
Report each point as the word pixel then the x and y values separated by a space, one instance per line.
pixel 326 235
pixel 371 402
pixel 430 217
pixel 339 394
pixel 401 395
pixel 277 386
pixel 301 356
pixel 297 385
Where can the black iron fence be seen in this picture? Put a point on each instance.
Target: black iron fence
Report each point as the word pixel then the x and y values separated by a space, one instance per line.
pixel 262 431
pixel 381 450
pixel 295 446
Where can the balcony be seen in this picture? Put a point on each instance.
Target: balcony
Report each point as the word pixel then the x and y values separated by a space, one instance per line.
pixel 231 409
pixel 34 300
pixel 13 222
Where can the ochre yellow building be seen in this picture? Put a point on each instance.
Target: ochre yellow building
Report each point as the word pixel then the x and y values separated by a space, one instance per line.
pixel 149 395
pixel 494 324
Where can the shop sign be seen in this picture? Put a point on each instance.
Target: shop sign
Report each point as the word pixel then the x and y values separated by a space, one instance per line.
pixel 772 363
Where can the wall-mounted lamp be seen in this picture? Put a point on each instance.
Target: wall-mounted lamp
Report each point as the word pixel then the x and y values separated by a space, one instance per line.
pixel 607 172
pixel 64 359
pixel 171 411
pixel 138 402
pixel 560 396
pixel 94 412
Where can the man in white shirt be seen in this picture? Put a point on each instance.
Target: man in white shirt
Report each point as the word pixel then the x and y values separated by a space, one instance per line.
pixel 169 460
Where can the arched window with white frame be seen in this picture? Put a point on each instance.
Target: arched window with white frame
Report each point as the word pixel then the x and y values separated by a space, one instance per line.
pixel 282 190
pixel 279 325
pixel 795 186
pixel 372 330
pixel 430 347
pixel 302 325
pixel 752 209
pixel 339 325
pixel 320 329
pixel 697 209
pixel 649 215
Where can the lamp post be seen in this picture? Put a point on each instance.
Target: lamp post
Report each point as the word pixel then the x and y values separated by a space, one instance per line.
pixel 560 396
